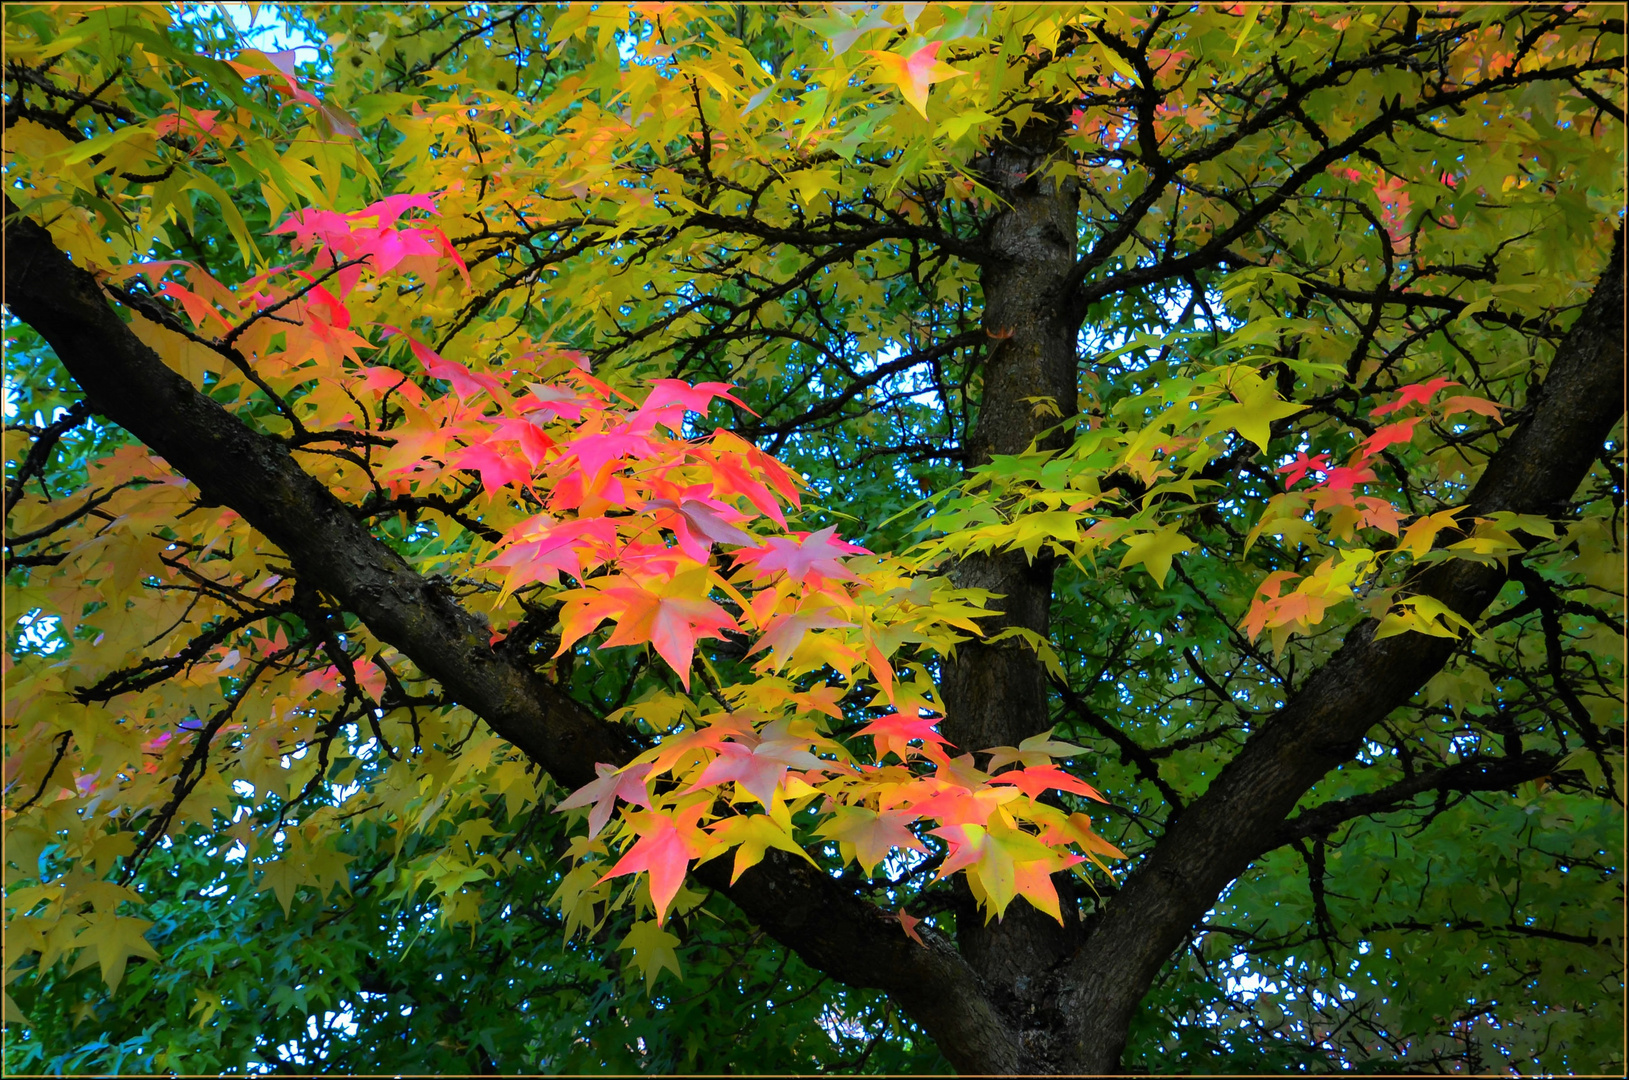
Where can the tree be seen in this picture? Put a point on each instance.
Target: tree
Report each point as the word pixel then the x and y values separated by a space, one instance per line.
pixel 1062 538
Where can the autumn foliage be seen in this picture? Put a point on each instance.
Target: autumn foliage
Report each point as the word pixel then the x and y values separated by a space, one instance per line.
pixel 593 379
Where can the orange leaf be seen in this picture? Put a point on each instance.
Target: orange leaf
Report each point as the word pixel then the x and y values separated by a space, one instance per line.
pixel 914 74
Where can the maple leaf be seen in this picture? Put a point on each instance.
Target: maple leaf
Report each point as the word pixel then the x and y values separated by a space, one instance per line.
pixel 803 556
pixel 540 550
pixel 1302 465
pixel 671 616
pixel 666 843
pixel 628 784
pixel 785 632
pixel 1345 477
pixel 895 731
pixel 556 400
pixel 701 519
pixel 914 74
pixel 1035 750
pixel 1461 403
pixel 759 769
pixel 1003 863
pixel 1414 394
pixel 1257 406
pixel 466 383
pixel 110 941
pixel 909 923
pixel 594 452
pixel 867 837
pixel 653 950
pixel 670 399
pixel 497 467
pixel 751 835
pixel 1155 550
pixel 1037 780
pixel 1400 431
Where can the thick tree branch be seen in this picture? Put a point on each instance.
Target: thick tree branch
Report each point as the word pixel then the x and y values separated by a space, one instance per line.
pixel 1243 812
pixel 256 476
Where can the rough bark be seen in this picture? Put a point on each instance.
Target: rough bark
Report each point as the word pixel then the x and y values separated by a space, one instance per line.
pixel 996 694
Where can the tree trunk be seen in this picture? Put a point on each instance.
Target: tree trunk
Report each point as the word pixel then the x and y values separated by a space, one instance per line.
pixel 996 695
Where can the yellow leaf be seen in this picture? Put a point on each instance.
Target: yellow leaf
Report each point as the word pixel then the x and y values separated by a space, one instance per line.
pixel 180 354
pixel 1153 551
pixel 754 833
pixel 652 951
pixel 111 940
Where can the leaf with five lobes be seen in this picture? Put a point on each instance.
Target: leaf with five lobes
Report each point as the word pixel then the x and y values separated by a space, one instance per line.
pixel 497 465
pixel 628 784
pixel 1423 615
pixel 653 951
pixel 671 615
pixel 699 520
pixel 465 383
pixel 1400 431
pixel 914 74
pixel 540 550
pixel 670 399
pixel 111 940
pixel 1415 394
pixel 759 769
pixel 784 633
pixel 1463 403
pixel 1155 550
pixel 1036 750
pixel 751 835
pixel 1003 863
pixel 1037 780
pixel 1419 536
pixel 667 841
pixel 895 731
pixel 867 837
pixel 1077 829
pixel 803 556
pixel 1256 407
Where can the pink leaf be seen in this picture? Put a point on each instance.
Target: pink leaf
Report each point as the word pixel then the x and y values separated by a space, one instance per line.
pixel 613 784
pixel 808 555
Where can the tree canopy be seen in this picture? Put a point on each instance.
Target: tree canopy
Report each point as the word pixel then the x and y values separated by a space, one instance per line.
pixel 571 538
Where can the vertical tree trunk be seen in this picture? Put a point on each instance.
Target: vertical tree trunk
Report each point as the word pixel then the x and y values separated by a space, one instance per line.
pixel 996 695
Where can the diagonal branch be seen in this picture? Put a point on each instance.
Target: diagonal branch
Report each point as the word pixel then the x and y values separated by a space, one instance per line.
pixel 257 477
pixel 1243 812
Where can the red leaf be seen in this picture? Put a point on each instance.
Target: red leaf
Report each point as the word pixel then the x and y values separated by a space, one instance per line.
pixel 1036 780
pixel 670 399
pixel 1302 465
pixel 760 769
pixel 1414 393
pixel 894 733
pixel 909 922
pixel 496 467
pixel 466 383
pixel 1344 477
pixel 1402 431
pixel 664 849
